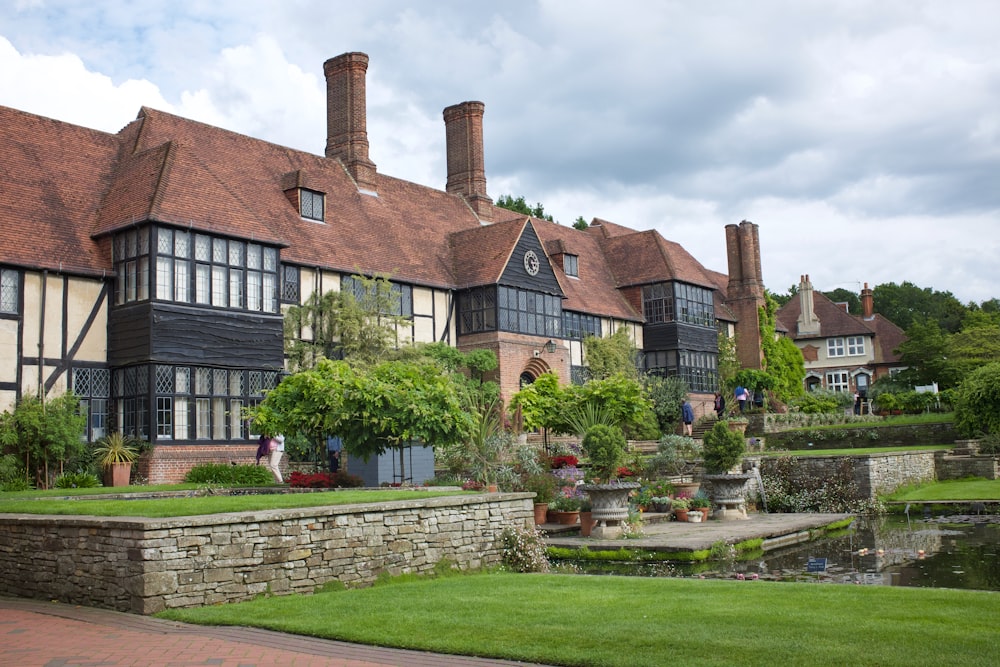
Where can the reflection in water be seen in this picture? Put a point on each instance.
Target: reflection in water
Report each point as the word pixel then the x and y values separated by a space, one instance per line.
pixel 944 552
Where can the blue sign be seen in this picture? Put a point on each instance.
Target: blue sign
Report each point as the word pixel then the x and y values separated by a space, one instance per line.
pixel 816 565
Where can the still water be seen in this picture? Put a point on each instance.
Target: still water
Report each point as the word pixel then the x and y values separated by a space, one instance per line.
pixel 935 552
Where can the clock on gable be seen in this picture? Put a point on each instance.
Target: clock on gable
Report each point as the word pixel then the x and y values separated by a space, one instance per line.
pixel 531 262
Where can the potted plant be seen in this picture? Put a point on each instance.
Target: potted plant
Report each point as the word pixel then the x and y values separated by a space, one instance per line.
pixel 702 503
pixel 543 485
pixel 661 504
pixel 679 506
pixel 605 447
pixel 565 509
pixel 723 451
pixel 115 453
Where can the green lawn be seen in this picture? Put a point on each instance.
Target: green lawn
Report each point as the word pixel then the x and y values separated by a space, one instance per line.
pixel 635 621
pixel 34 502
pixel 959 489
pixel 816 451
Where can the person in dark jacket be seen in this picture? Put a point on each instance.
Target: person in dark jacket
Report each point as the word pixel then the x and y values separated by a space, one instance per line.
pixel 720 405
pixel 687 415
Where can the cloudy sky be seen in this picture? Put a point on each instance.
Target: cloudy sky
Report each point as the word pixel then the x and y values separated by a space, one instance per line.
pixel 863 137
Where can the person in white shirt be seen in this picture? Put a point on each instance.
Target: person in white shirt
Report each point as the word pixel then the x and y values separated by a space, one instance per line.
pixel 277 450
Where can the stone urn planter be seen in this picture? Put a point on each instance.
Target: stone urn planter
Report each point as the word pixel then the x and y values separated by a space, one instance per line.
pixel 729 495
pixel 609 504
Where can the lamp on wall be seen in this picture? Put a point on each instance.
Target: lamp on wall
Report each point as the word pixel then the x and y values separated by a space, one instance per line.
pixel 550 347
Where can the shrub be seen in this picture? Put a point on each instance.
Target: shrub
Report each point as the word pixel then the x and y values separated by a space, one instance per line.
pixel 605 446
pixel 818 401
pixel 12 475
pixel 237 475
pixel 324 480
pixel 673 456
pixel 786 491
pixel 543 485
pixel 977 406
pixel 723 448
pixel 523 549
pixel 77 480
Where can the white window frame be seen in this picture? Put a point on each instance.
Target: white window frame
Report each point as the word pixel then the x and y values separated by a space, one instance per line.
pixel 855 346
pixel 835 347
pixel 838 381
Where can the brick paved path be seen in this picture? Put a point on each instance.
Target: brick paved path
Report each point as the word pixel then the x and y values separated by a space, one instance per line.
pixel 46 634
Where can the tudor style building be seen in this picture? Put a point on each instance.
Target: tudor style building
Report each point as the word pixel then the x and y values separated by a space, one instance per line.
pixel 146 270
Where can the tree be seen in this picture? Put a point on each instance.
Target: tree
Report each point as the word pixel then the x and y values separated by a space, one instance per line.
pixel 520 206
pixel 580 223
pixel 666 394
pixel 925 351
pixel 359 323
pixel 977 404
pixel 43 434
pixel 782 358
pixel 841 295
pixel 906 303
pixel 386 406
pixel 614 355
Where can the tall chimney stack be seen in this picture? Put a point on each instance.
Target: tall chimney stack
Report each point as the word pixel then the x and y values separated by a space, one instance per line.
pixel 346 116
pixel 807 323
pixel 466 171
pixel 745 292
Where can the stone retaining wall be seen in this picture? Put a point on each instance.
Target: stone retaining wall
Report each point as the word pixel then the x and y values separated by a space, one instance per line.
pixel 873 473
pixel 145 565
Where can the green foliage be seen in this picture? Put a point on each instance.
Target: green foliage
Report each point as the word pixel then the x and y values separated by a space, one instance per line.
pixel 545 404
pixel 821 401
pixel 520 206
pixel 665 394
pixel 387 406
pixel 44 433
pixel 115 448
pixel 788 490
pixel 542 484
pixel 728 364
pixel 537 403
pixel 610 356
pixel 229 475
pixel 77 480
pixel 360 324
pixel 12 475
pixel 723 448
pixel 605 447
pixel 905 304
pixel 580 223
pixel 674 456
pixel 977 405
pixel 783 361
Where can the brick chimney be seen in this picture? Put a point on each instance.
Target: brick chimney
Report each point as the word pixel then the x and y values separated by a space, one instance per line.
pixel 346 116
pixel 466 171
pixel 745 292
pixel 867 303
pixel 807 323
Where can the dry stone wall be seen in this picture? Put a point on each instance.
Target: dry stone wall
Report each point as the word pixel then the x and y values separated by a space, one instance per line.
pixel 146 565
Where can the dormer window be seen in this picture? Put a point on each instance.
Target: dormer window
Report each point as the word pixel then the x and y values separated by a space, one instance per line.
pixel 311 204
pixel 571 265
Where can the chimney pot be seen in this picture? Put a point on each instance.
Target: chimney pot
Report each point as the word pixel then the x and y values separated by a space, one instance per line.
pixel 466 171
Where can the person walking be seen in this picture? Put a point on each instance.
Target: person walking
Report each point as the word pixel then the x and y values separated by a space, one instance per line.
pixel 276 449
pixel 687 415
pixel 334 447
pixel 720 405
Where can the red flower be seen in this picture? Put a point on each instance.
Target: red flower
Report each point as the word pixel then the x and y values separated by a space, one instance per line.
pixel 565 461
pixel 626 472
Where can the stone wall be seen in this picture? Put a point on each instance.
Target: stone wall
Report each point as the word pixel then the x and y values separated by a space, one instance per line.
pixel 145 565
pixel 873 473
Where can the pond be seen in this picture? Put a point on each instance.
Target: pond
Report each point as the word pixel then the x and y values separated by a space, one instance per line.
pixel 956 551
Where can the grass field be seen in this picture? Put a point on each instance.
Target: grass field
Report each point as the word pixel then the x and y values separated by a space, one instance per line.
pixel 636 621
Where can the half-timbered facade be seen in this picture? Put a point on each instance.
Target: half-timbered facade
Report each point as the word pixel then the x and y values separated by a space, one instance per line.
pixel 147 270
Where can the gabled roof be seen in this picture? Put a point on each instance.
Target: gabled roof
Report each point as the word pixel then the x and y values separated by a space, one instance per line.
pixel 480 255
pixel 53 177
pixel 646 257
pixel 836 322
pixel 593 290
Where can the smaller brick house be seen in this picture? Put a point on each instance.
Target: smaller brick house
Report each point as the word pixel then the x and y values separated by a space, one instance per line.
pixel 842 352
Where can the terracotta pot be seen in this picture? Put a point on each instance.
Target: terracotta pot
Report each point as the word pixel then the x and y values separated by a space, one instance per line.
pixel 117 474
pixel 565 518
pixel 541 509
pixel 681 515
pixel 586 523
